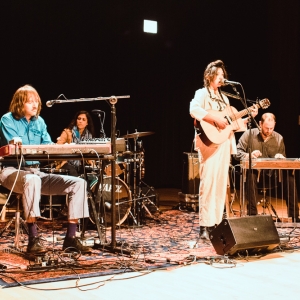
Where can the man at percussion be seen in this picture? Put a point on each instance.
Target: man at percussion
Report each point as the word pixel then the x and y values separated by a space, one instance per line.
pixel 80 128
pixel 24 123
pixel 267 143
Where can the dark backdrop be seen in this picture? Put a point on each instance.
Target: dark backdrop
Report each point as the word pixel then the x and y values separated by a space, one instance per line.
pixel 98 48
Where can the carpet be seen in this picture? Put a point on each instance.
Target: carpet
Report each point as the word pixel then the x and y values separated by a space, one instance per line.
pixel 166 240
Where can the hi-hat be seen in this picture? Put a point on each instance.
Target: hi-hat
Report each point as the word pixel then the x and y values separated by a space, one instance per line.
pixel 137 134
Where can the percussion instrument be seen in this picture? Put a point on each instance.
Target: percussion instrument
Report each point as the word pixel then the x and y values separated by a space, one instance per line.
pixel 137 134
pixel 103 199
pixel 120 166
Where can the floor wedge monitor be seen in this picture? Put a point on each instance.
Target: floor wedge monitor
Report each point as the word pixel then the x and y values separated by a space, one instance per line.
pixel 248 235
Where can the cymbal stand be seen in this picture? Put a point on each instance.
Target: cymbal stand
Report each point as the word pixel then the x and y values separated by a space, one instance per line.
pixel 144 196
pixel 136 201
pixel 139 199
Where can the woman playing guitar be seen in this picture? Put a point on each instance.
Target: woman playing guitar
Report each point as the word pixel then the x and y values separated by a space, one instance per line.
pixel 214 158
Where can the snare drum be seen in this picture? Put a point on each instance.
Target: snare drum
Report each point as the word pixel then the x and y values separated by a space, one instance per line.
pixel 103 204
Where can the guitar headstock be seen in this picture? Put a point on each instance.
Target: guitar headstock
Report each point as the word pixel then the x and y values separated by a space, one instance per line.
pixel 264 103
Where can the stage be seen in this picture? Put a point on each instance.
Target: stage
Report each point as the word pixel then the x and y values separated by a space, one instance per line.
pixel 167 259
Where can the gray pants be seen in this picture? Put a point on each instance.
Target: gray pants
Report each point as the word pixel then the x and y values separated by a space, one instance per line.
pixel 32 183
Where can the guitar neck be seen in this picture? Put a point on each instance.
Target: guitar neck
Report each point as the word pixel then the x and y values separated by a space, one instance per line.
pixel 240 114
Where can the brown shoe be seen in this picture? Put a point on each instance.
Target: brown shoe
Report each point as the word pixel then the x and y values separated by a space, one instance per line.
pixel 73 243
pixel 35 245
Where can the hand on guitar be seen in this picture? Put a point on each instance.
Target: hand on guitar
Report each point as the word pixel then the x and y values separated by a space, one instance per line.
pixel 219 123
pixel 254 112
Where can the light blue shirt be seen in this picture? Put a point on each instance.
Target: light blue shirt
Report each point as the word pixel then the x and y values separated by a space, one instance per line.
pixel 32 133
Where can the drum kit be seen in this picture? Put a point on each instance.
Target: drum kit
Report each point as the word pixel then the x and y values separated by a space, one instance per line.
pixel 133 196
pixel 130 197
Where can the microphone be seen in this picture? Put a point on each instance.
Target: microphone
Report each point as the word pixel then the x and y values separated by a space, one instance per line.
pixel 227 82
pixel 50 103
pixel 96 111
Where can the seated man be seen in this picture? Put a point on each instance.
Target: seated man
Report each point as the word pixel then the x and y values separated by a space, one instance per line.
pixel 23 122
pixel 267 143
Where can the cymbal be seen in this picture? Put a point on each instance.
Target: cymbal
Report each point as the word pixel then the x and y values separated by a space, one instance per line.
pixel 137 134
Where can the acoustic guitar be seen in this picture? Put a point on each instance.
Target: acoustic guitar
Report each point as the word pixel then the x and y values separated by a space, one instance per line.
pixel 211 135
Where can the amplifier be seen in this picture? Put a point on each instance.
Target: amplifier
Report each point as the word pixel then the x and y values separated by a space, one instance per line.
pixel 249 235
pixel 190 173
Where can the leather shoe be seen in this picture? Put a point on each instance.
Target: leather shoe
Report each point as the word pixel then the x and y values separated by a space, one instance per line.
pixel 204 233
pixel 71 243
pixel 35 245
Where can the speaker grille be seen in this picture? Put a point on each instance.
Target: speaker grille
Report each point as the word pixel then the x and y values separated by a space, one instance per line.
pixel 253 233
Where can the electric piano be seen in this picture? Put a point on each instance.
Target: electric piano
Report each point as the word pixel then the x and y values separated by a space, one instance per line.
pixel 272 163
pixel 90 149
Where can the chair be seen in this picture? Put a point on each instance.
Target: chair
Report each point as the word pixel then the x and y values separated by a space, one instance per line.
pixel 17 219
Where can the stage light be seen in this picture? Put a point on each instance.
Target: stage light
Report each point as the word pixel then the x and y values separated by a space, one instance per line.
pixel 150 26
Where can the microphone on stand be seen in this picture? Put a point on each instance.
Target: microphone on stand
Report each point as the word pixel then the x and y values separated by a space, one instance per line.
pixel 50 103
pixel 97 111
pixel 228 82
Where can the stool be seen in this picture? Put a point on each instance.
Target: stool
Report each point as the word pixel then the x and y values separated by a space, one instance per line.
pixel 16 219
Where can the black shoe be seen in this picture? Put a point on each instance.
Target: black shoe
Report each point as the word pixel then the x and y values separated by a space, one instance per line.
pixel 296 220
pixel 210 229
pixel 204 233
pixel 35 245
pixel 74 243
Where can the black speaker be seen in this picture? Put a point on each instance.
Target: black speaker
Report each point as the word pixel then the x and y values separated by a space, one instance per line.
pixel 190 173
pixel 250 235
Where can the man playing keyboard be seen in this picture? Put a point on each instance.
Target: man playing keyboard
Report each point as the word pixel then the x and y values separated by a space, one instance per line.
pixel 23 123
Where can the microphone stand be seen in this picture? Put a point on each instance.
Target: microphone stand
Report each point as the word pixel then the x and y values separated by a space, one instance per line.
pixel 244 102
pixel 113 100
pixel 102 133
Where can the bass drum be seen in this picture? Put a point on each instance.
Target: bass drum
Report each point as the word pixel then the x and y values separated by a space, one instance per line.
pixel 122 198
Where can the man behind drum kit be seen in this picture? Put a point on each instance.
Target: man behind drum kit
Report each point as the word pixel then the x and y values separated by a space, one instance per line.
pixel 22 124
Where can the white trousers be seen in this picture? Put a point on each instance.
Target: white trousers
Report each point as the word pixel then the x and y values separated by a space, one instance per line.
pixel 32 183
pixel 213 186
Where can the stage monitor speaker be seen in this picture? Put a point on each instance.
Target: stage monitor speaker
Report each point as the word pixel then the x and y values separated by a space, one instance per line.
pixel 248 235
pixel 190 174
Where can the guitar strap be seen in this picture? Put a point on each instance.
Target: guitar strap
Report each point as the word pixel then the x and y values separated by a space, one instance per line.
pixel 217 99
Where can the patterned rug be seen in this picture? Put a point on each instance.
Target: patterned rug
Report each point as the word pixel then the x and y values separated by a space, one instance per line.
pixel 168 239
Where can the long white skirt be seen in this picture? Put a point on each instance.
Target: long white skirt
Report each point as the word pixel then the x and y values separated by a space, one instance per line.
pixel 213 185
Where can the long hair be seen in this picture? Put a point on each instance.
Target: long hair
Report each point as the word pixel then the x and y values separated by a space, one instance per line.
pixel 90 125
pixel 211 71
pixel 20 97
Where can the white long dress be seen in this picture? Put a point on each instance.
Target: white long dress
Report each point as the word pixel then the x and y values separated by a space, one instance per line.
pixel 214 161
